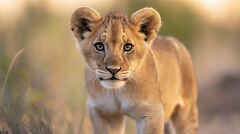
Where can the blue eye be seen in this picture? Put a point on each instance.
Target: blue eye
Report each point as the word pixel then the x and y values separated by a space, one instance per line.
pixel 99 47
pixel 128 47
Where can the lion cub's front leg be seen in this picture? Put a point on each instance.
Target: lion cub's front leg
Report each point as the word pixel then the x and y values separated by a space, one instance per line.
pixel 149 118
pixel 105 123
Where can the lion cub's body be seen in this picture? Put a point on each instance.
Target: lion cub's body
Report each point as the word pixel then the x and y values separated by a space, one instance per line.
pixel 162 83
pixel 160 87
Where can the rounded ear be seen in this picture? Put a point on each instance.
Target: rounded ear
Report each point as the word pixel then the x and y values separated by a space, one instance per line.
pixel 148 22
pixel 82 21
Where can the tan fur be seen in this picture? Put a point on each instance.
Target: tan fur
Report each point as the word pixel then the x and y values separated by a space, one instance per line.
pixel 156 82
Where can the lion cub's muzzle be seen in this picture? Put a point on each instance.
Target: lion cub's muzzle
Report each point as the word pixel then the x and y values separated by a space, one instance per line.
pixel 113 77
pixel 113 69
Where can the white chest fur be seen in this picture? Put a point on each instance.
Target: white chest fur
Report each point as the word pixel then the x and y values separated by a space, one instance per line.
pixel 110 102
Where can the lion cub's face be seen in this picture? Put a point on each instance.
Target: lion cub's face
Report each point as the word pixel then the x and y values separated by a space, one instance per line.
pixel 115 45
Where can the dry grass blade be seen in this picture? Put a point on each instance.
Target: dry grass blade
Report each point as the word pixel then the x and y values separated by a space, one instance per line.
pixel 9 70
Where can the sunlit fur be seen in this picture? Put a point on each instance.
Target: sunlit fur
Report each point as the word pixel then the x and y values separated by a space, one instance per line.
pixel 155 82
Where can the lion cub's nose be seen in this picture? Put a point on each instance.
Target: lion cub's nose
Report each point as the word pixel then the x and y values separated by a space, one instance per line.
pixel 113 69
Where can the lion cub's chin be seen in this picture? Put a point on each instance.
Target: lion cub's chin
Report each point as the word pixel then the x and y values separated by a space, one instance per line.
pixel 112 84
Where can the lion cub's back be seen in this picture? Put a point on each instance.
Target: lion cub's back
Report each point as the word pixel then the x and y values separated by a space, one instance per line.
pixel 168 46
pixel 173 53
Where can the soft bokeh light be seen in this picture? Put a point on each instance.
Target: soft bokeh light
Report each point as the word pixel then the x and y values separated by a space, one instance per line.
pixel 9 5
pixel 10 10
pixel 214 6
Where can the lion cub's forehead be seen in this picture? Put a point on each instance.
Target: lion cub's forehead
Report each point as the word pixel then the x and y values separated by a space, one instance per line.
pixel 114 26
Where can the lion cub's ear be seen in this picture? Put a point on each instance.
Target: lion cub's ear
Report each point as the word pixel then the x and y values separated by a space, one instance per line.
pixel 82 21
pixel 148 22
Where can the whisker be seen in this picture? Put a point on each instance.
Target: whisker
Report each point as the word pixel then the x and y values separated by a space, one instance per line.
pixel 107 74
pixel 124 72
pixel 92 77
pixel 102 71
pixel 134 79
pixel 122 76
pixel 103 74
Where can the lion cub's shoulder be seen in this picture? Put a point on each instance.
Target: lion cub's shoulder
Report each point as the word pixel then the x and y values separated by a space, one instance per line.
pixel 169 45
pixel 166 43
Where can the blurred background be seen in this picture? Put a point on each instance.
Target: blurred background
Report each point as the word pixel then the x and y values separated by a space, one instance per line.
pixel 41 71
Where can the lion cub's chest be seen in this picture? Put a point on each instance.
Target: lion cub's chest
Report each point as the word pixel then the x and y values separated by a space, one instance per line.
pixel 110 102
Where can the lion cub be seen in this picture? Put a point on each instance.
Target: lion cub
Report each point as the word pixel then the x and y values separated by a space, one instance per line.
pixel 131 71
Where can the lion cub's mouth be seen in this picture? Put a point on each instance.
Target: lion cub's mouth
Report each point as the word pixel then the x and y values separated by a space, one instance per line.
pixel 112 83
pixel 108 80
pixel 112 78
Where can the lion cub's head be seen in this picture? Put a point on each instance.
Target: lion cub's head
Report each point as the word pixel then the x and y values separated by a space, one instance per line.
pixel 114 46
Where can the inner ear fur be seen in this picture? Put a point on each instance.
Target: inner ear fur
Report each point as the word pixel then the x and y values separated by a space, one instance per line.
pixel 148 22
pixel 82 21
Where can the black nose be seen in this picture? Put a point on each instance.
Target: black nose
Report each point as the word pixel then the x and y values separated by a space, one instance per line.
pixel 113 70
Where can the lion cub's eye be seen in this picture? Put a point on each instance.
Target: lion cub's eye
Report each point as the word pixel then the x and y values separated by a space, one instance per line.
pixel 99 47
pixel 128 47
